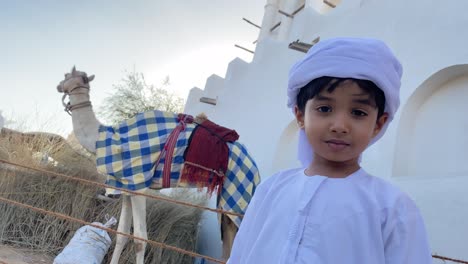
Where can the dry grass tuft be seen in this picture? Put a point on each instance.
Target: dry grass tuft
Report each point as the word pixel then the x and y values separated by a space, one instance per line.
pixel 172 224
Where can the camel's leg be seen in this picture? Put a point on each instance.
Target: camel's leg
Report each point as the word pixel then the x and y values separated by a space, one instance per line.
pixel 139 226
pixel 125 222
pixel 229 231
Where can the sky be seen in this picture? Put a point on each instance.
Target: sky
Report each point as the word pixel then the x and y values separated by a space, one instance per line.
pixel 185 40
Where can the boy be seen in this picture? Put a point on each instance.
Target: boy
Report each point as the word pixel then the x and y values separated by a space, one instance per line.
pixel 344 93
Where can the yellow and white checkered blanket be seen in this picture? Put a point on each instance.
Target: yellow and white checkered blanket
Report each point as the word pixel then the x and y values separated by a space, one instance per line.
pixel 127 153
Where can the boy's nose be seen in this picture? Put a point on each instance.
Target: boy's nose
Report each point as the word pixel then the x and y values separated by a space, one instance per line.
pixel 339 124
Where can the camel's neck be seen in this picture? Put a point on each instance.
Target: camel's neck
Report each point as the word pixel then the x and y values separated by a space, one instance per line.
pixel 85 123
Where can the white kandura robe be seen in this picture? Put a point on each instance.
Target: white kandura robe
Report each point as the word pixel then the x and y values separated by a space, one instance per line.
pixel 360 219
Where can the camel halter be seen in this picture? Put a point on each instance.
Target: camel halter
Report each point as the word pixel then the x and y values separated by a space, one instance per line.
pixel 68 106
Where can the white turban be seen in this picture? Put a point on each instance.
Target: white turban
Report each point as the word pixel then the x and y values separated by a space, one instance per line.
pixel 359 58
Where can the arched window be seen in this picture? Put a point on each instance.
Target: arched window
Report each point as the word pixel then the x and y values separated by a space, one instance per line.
pixel 432 135
pixel 286 150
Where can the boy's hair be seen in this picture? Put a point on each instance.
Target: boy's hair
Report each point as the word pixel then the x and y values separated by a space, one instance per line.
pixel 316 86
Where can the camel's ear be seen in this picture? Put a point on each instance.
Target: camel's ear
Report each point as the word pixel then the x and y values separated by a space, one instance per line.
pixel 90 78
pixel 73 70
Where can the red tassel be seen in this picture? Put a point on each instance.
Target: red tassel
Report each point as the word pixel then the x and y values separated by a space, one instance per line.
pixel 201 178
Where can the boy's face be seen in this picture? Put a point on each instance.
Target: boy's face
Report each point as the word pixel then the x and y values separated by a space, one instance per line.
pixel 339 125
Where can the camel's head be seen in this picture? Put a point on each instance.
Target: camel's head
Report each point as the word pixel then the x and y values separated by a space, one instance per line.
pixel 74 79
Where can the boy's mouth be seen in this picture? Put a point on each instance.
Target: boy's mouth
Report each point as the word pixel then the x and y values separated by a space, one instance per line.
pixel 336 144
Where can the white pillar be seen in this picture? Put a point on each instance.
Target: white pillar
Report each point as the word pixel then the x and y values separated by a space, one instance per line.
pixel 271 10
pixel 289 7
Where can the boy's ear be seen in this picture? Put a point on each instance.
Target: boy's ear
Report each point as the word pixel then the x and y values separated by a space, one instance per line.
pixel 381 121
pixel 299 117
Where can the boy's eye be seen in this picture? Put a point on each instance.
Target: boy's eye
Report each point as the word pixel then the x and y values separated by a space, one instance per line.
pixel 324 109
pixel 358 113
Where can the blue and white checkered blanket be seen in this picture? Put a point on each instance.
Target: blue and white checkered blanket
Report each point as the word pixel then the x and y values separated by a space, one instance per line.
pixel 127 154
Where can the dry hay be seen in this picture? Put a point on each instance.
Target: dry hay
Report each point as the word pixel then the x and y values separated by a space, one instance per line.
pixel 169 223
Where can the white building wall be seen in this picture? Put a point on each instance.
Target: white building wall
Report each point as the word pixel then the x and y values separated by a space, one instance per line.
pixel 428 36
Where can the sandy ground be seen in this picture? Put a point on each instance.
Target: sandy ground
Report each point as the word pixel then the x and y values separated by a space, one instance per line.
pixel 11 255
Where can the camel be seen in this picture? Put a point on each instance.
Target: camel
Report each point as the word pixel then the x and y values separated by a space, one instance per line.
pixel 86 127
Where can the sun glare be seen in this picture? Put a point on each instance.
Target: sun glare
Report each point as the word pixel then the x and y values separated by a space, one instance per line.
pixel 192 68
